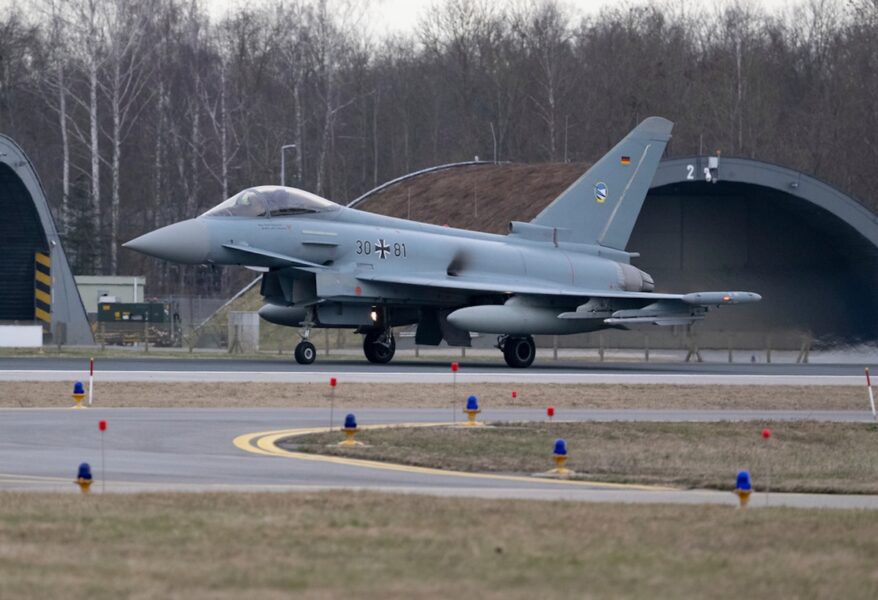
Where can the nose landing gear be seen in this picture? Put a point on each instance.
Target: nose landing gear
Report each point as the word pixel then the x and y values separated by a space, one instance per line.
pixel 305 352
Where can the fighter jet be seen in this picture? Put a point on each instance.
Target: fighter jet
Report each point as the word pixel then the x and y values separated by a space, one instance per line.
pixel 566 271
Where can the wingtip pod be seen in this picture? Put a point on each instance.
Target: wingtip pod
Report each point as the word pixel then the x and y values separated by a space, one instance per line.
pixel 719 298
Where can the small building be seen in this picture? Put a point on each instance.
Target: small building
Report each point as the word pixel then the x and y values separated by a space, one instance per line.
pixel 120 288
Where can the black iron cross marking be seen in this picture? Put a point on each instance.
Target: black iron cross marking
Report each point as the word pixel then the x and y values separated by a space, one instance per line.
pixel 382 249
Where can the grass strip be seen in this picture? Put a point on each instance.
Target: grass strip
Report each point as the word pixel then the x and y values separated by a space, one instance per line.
pixel 409 395
pixel 803 456
pixel 369 545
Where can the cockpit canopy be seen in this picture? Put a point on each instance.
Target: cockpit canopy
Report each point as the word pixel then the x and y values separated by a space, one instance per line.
pixel 271 201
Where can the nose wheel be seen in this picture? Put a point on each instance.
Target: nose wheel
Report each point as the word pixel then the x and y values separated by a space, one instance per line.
pixel 305 352
pixel 519 352
pixel 379 346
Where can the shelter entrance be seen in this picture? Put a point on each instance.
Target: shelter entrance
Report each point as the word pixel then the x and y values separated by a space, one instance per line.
pixel 21 238
pixel 814 271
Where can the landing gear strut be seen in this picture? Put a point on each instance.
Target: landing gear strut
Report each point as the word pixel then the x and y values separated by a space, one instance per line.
pixel 379 346
pixel 305 352
pixel 519 352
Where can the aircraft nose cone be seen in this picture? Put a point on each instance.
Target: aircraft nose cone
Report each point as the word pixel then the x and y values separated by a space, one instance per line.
pixel 184 242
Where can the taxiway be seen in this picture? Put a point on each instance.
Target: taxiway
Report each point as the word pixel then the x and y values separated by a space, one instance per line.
pixel 222 449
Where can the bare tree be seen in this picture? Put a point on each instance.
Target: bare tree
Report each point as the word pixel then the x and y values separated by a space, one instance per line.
pixel 89 49
pixel 544 31
pixel 128 62
pixel 56 80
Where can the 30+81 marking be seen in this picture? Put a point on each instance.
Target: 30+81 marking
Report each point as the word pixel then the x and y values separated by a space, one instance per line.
pixel 381 248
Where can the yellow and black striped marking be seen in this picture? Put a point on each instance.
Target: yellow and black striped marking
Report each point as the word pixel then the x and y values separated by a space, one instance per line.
pixel 43 288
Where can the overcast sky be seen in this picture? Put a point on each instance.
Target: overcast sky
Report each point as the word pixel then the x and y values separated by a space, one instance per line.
pixel 390 16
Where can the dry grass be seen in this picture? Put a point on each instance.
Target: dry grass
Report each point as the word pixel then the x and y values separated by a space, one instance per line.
pixel 800 456
pixel 191 395
pixel 388 546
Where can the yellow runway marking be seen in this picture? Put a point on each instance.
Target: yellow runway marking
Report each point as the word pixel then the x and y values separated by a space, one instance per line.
pixel 265 443
pixel 22 478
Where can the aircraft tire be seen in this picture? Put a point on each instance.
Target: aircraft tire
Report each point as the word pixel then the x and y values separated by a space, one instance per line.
pixel 378 350
pixel 519 352
pixel 305 353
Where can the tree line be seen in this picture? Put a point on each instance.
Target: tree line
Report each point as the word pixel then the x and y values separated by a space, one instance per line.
pixel 138 113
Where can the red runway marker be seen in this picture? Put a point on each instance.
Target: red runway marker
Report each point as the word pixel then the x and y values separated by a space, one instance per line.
pixel 102 426
pixel 332 383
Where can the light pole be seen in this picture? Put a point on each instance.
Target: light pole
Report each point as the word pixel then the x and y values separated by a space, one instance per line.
pixel 283 163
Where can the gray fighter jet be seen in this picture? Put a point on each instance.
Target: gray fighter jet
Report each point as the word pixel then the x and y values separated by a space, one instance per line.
pixel 567 271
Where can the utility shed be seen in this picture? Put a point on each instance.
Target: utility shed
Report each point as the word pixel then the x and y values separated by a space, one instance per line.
pixel 127 289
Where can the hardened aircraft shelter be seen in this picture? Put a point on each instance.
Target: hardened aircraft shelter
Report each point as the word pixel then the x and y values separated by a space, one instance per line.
pixel 808 248
pixel 36 286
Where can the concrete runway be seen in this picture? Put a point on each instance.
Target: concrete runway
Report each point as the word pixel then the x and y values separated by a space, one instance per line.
pixel 411 371
pixel 194 449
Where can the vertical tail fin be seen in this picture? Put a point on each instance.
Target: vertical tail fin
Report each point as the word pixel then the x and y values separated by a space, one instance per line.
pixel 602 206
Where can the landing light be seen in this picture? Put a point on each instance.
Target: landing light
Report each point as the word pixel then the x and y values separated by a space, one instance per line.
pixel 374 315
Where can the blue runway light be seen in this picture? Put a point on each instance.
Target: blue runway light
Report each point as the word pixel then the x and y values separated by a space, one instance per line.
pixel 350 430
pixel 743 482
pixel 83 478
pixel 472 409
pixel 84 471
pixel 560 447
pixel 78 394
pixel 350 421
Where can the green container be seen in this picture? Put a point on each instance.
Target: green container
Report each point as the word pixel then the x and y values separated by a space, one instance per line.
pixel 133 312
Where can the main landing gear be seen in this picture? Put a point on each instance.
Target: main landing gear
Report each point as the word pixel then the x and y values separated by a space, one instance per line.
pixel 519 352
pixel 379 346
pixel 305 352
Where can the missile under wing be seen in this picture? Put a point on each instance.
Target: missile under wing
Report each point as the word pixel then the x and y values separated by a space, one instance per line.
pixel 565 272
